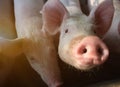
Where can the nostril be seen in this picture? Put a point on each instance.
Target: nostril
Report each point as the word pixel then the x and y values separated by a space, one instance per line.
pixel 84 51
pixel 81 50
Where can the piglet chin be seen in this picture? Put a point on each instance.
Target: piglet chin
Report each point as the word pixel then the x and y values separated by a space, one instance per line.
pixel 89 52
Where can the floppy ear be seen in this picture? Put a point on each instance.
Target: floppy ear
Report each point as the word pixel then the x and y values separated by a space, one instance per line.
pixel 103 16
pixel 53 13
pixel 11 48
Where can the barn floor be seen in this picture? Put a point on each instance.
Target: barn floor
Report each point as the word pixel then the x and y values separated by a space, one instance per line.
pixel 22 75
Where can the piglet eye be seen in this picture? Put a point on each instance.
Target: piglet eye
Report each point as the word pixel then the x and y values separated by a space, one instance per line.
pixel 66 31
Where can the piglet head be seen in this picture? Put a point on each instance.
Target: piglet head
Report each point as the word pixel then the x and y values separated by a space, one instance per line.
pixel 79 44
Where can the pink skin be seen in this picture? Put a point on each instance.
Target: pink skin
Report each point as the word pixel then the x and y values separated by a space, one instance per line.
pixel 36 36
pixel 36 43
pixel 88 54
pixel 77 32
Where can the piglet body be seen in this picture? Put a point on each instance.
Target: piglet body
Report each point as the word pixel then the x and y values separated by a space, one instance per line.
pixel 39 46
pixel 33 41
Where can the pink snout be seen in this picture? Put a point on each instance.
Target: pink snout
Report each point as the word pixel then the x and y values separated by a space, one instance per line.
pixel 90 52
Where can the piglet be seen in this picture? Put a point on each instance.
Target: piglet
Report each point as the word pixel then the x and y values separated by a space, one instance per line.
pixel 79 45
pixel 33 41
pixel 37 44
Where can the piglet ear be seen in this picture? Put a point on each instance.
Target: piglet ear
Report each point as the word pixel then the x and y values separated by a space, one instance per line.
pixel 53 13
pixel 103 16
